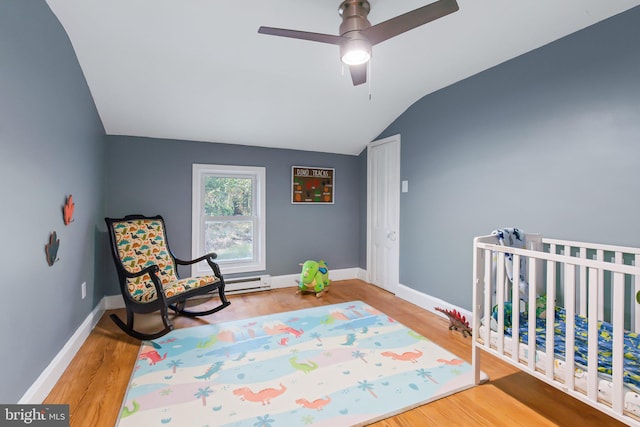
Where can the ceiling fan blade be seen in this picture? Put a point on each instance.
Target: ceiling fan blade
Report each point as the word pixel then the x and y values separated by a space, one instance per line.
pixel 303 35
pixel 358 74
pixel 408 21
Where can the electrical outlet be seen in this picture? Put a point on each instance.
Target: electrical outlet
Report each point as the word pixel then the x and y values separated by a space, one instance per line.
pixel 84 289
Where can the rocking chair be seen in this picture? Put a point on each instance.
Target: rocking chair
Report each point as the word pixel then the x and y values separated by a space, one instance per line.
pixel 147 271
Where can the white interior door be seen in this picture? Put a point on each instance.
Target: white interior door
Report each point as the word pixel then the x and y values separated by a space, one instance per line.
pixel 383 213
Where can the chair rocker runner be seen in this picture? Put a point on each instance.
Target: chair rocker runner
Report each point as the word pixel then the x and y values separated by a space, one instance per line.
pixel 148 275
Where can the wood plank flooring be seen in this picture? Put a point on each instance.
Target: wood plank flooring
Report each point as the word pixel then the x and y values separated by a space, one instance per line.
pixel 95 382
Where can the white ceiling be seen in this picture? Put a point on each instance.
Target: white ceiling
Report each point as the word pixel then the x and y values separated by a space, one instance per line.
pixel 199 70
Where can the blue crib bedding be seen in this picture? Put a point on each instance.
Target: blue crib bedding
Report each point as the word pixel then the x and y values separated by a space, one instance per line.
pixel 605 344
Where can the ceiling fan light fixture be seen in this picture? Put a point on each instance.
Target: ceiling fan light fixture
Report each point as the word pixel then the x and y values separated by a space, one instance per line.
pixel 355 51
pixel 357 35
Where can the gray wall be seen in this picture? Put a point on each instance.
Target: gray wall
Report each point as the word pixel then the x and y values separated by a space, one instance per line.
pixel 548 142
pixel 153 176
pixel 51 145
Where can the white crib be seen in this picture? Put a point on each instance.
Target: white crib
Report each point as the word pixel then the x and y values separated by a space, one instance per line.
pixel 589 282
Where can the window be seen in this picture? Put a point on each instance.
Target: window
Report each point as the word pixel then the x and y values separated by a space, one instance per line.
pixel 229 217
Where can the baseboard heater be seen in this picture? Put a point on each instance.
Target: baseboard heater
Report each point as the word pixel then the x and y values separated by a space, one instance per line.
pixel 239 285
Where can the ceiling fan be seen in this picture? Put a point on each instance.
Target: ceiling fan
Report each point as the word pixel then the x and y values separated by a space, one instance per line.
pixel 357 35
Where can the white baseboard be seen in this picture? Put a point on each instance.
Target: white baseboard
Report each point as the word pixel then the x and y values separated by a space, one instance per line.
pixel 43 385
pixel 285 281
pixel 429 302
pixel 349 273
pixel 111 302
pixel 363 275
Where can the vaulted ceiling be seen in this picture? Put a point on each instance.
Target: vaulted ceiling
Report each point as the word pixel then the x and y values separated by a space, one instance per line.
pixel 199 70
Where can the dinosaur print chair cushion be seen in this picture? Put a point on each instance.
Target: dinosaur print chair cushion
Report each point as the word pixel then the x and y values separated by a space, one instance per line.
pixel 142 243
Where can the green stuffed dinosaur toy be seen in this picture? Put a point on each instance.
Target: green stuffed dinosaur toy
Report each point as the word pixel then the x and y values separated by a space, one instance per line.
pixel 314 277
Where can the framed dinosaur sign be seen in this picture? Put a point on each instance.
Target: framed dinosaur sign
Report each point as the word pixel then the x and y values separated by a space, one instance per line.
pixel 312 185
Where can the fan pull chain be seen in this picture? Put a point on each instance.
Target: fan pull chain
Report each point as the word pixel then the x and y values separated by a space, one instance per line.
pixel 369 78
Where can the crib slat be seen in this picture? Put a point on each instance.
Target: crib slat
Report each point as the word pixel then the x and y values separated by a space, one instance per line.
pixel 478 287
pixel 488 293
pixel 533 280
pixel 592 331
pixel 532 313
pixel 618 343
pixel 515 310
pixel 570 307
pixel 500 302
pixel 636 288
pixel 618 258
pixel 551 298
pixel 583 284
pixel 600 257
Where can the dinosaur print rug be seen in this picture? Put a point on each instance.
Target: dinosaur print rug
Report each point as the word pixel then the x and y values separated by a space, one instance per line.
pixel 335 365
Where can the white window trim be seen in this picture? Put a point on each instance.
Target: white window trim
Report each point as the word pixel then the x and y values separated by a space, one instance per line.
pixel 259 200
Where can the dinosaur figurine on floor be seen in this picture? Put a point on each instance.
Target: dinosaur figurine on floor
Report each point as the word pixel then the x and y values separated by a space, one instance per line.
pixel 456 321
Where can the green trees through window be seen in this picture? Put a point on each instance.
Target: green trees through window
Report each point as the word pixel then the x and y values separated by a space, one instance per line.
pixel 228 209
pixel 227 196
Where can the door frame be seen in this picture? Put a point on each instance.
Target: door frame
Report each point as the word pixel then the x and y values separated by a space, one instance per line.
pixel 395 140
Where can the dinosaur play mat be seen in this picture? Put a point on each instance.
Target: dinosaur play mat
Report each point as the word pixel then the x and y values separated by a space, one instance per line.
pixel 336 365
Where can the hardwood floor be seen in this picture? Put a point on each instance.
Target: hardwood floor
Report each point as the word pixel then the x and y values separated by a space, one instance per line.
pixel 95 382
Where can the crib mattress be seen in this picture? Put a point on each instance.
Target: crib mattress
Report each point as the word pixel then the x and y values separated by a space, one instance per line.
pixel 631 360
